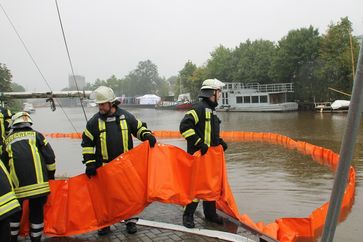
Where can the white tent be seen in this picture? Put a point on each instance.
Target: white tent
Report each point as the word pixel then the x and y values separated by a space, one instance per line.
pixel 149 99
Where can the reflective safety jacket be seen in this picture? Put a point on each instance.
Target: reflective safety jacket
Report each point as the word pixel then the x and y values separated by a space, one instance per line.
pixel 201 124
pixel 8 202
pixel 29 158
pixel 5 119
pixel 107 137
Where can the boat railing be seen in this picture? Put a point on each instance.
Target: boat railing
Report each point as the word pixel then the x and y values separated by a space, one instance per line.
pixel 263 88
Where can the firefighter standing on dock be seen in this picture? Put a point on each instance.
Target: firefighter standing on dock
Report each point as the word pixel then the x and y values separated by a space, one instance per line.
pixel 108 135
pixel 200 127
pixel 31 163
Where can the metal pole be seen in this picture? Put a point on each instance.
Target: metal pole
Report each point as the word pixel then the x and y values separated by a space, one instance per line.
pixel 346 152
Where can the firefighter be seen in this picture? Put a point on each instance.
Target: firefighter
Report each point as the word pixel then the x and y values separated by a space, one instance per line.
pixel 108 135
pixel 31 162
pixel 200 127
pixel 8 205
pixel 5 119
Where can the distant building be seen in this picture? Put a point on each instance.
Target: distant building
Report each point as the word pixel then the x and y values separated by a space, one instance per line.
pixel 81 82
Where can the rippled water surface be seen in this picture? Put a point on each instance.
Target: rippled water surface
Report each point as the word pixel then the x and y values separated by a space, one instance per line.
pixel 268 181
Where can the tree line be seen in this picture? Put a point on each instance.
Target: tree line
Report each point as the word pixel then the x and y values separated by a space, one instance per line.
pixel 312 61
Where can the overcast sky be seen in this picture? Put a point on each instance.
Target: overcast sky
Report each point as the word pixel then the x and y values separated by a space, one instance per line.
pixel 107 37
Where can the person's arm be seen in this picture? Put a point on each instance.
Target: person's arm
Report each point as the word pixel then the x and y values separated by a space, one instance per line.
pixel 88 150
pixel 140 131
pixel 187 130
pixel 48 154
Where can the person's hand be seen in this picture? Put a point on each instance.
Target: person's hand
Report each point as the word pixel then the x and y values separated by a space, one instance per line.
pixel 151 139
pixel 202 147
pixel 224 144
pixel 91 170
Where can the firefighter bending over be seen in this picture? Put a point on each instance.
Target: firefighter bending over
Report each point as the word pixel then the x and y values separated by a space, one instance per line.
pixel 31 163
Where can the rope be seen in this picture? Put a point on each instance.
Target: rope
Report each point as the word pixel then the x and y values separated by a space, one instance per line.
pixel 36 65
pixel 69 58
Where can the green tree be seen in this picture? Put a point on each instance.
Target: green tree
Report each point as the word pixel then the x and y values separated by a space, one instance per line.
pixel 252 61
pixel 335 58
pixel 184 83
pixel 296 59
pixel 144 79
pixel 220 65
pixel 5 78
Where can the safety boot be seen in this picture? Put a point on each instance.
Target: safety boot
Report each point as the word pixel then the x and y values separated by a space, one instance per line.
pixel 14 238
pixel 131 228
pixel 210 212
pixel 188 221
pixel 104 231
pixel 215 219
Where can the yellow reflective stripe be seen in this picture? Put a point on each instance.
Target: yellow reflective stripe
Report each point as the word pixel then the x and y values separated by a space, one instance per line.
pixel 207 129
pixel 32 193
pixel 124 134
pixel 88 151
pixel 188 133
pixel 88 134
pixel 45 142
pixel 36 160
pixel 32 187
pixel 90 161
pixel 6 173
pixel 9 206
pixel 51 167
pixel 195 200
pixel 139 124
pixel 2 125
pixel 20 136
pixel 13 175
pixel 139 132
pixel 7 197
pixel 103 139
pixel 198 140
pixel 195 116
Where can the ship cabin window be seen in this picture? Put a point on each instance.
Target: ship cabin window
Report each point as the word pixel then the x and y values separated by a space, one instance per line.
pixel 229 86
pixel 247 99
pixel 254 99
pixel 263 99
pixel 239 100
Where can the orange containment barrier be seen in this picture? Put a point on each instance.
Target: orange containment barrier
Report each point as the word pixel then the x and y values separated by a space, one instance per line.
pixel 168 174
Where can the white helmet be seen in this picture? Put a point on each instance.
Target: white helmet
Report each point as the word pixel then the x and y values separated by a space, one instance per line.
pixel 213 84
pixel 209 86
pixel 21 118
pixel 103 94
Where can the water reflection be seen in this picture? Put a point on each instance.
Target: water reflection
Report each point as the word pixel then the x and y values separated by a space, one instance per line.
pixel 268 181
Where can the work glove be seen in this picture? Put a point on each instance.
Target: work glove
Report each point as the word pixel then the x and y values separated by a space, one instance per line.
pixel 224 144
pixel 91 170
pixel 151 139
pixel 51 175
pixel 202 147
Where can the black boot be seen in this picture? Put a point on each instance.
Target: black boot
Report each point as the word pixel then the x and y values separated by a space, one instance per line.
pixel 188 221
pixel 14 238
pixel 188 216
pixel 131 228
pixel 210 212
pixel 104 231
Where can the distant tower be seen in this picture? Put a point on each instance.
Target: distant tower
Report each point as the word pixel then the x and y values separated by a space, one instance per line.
pixel 81 82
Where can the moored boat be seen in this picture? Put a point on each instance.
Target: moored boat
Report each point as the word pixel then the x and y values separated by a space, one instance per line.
pixel 255 97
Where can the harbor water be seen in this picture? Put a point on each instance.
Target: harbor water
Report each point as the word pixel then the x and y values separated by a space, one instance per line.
pixel 268 181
